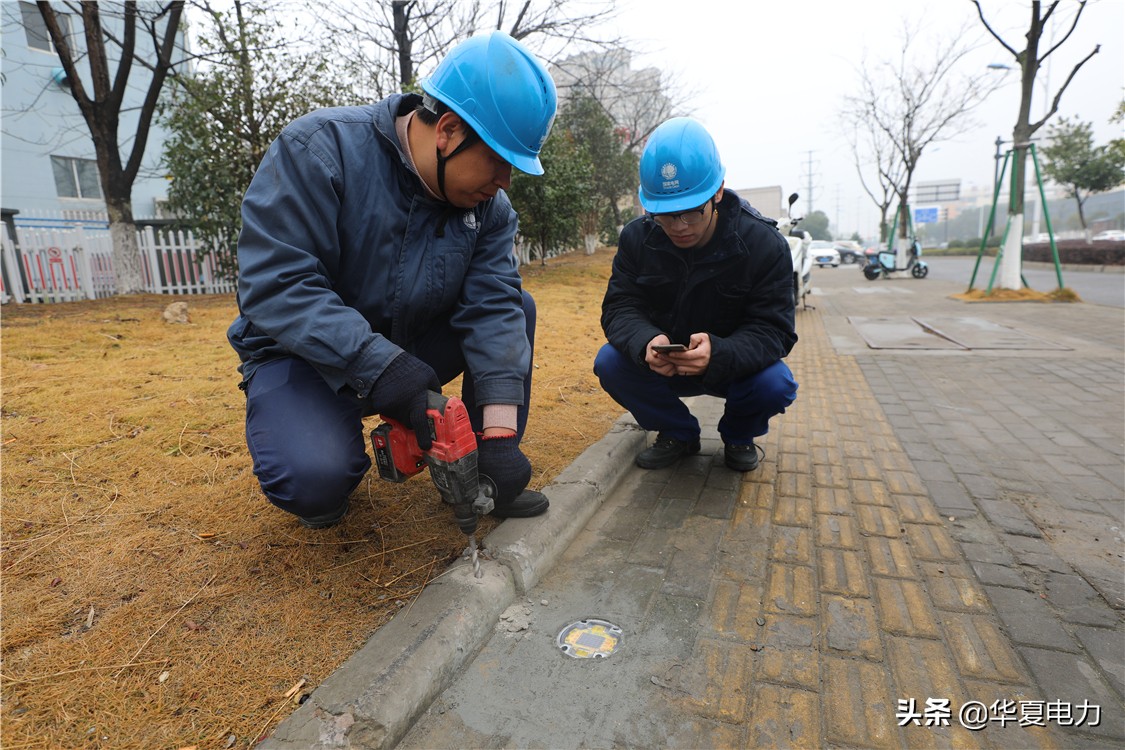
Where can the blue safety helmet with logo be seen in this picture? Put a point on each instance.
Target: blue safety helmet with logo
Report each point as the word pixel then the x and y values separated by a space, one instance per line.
pixel 502 91
pixel 680 167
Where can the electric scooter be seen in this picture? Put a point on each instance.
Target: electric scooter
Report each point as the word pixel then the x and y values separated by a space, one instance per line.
pixel 883 264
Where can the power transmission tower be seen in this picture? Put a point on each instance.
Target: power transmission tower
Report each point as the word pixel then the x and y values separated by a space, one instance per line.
pixel 809 184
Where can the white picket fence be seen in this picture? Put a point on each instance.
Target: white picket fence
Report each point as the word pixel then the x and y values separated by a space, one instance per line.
pixel 64 263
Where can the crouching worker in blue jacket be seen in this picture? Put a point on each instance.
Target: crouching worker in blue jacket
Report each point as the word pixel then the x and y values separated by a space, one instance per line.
pixel 704 270
pixel 376 264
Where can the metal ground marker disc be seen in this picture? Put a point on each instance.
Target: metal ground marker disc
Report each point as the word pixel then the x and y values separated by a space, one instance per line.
pixel 589 639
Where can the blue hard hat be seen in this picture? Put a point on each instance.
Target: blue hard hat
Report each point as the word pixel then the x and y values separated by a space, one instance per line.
pixel 503 92
pixel 680 167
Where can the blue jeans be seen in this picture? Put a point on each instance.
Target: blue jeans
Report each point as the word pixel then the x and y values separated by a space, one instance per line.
pixel 654 399
pixel 307 441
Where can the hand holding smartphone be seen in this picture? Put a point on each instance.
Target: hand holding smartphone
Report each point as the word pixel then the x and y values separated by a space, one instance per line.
pixel 665 348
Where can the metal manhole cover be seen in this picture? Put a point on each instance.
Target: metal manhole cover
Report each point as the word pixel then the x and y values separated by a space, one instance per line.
pixel 589 639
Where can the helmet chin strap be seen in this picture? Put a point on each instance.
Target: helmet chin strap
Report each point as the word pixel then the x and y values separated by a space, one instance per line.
pixel 471 138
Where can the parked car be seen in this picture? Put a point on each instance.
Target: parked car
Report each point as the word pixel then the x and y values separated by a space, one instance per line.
pixel 850 251
pixel 824 253
pixel 1115 235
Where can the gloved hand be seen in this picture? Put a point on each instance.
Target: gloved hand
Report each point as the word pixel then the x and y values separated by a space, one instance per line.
pixel 401 393
pixel 501 460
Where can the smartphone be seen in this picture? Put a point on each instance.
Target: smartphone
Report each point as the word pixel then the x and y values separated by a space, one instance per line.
pixel 669 348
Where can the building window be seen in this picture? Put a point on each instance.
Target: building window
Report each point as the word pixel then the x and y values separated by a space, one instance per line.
pixel 36 28
pixel 76 178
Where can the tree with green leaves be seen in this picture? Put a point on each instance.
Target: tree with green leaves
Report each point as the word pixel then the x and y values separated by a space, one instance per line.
pixel 816 224
pixel 614 174
pixel 224 118
pixel 1073 161
pixel 551 206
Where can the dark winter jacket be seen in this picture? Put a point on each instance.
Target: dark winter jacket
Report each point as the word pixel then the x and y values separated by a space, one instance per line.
pixel 344 260
pixel 738 288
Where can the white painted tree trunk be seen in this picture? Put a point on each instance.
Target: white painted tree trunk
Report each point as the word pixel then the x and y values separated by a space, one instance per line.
pixel 1009 277
pixel 126 258
pixel 591 242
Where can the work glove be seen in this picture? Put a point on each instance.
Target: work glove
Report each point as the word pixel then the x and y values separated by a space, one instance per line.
pixel 501 460
pixel 402 392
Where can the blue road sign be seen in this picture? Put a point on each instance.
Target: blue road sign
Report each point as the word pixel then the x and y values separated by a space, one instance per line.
pixel 926 215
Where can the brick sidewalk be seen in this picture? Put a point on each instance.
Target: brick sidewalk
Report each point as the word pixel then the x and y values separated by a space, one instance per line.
pixel 793 607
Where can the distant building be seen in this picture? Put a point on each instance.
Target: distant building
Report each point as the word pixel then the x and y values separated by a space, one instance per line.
pixel 49 167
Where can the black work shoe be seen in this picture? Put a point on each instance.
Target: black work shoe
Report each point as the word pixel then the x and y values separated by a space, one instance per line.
pixel 325 520
pixel 740 457
pixel 527 504
pixel 665 452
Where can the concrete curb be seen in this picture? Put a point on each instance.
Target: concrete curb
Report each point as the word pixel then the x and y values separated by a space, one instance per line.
pixel 374 698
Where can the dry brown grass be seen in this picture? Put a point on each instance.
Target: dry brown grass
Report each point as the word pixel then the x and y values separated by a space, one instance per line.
pixel 152 597
pixel 1018 295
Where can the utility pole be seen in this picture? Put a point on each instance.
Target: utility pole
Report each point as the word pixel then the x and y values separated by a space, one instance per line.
pixel 836 218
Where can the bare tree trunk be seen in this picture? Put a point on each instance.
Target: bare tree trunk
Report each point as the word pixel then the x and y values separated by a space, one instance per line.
pixel 101 108
pixel 1028 62
pixel 403 42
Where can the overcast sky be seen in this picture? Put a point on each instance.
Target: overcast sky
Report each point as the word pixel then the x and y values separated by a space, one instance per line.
pixel 771 77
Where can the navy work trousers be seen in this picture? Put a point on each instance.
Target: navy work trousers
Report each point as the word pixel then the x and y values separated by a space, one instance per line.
pixel 654 399
pixel 308 442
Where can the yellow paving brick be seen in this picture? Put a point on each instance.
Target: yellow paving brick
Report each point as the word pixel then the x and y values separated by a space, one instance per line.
pixel 717 685
pixel 793 511
pixel 870 492
pixel 831 500
pixel 796 463
pixel 863 469
pixel 734 682
pixel 904 482
pixel 783 717
pixel 830 476
pixel 858 708
pixel 829 455
pixel 923 670
pixel 856 450
pixel 794 485
pixel 951 591
pixel 930 542
pixel 789 653
pixel 894 458
pixel 850 628
pixel 841 572
pixel 980 648
pixel 790 590
pixel 878 520
pixel 735 609
pixel 904 608
pixel 756 495
pixel 890 557
pixel 915 509
pixel 836 531
pixel 822 439
pixel 791 544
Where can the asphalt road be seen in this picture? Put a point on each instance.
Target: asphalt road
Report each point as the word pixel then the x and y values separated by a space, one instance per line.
pixel 1093 287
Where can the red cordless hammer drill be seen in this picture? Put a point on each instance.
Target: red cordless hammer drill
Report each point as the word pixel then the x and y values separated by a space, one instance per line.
pixel 452 460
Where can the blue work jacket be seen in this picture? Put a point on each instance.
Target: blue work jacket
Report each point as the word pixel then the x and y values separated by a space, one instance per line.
pixel 344 260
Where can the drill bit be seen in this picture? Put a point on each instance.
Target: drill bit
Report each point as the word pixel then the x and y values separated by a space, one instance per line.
pixel 477 572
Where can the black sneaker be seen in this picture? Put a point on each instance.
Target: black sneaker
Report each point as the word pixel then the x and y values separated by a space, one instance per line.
pixel 527 504
pixel 740 457
pixel 325 520
pixel 666 451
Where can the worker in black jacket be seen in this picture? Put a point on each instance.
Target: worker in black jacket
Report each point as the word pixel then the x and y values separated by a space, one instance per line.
pixel 705 270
